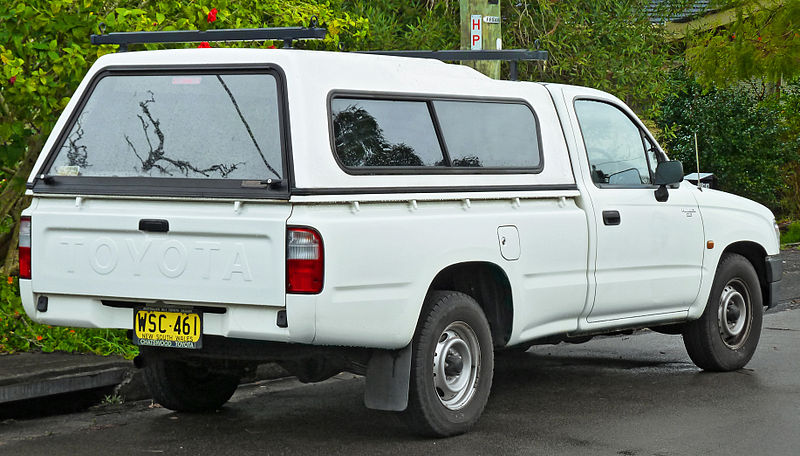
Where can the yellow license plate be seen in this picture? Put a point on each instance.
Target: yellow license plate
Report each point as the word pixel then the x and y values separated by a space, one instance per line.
pixel 173 328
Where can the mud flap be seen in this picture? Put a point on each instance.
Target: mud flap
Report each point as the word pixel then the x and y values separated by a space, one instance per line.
pixel 388 374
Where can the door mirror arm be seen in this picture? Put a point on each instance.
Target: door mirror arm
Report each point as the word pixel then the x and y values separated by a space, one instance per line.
pixel 662 194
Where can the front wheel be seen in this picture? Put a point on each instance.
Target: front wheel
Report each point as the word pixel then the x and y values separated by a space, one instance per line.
pixel 451 366
pixel 725 337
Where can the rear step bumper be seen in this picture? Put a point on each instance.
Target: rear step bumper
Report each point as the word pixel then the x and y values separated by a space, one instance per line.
pixel 234 321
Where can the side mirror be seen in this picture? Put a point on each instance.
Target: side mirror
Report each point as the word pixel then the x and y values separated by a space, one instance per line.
pixel 668 173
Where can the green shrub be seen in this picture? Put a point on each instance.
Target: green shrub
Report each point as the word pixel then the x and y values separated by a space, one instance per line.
pixel 742 140
pixel 19 333
pixel 792 234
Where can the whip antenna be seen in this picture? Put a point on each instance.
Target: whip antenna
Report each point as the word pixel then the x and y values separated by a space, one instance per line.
pixel 697 161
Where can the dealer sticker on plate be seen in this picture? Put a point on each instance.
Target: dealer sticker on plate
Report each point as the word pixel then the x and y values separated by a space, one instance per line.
pixel 168 327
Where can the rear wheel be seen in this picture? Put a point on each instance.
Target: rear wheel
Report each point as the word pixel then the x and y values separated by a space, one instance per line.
pixel 725 337
pixel 189 387
pixel 451 366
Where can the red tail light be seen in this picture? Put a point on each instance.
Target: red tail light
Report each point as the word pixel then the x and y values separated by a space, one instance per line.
pixel 25 248
pixel 305 264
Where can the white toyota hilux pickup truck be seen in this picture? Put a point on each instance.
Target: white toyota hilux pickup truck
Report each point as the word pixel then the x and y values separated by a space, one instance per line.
pixel 393 217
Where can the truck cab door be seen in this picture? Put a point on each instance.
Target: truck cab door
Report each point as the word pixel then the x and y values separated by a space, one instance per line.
pixel 648 253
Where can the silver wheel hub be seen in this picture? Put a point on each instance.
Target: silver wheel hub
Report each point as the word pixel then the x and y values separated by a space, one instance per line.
pixel 456 360
pixel 734 315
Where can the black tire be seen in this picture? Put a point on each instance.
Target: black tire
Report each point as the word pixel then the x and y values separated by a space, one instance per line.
pixel 452 363
pixel 725 337
pixel 189 387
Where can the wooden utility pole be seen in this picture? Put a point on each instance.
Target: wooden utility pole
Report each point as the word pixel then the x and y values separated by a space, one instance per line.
pixel 480 29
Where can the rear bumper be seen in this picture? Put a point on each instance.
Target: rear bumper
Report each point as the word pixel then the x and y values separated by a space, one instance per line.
pixel 773 275
pixel 238 321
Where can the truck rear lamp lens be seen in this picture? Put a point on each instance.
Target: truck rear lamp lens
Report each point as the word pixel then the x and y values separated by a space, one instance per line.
pixel 304 261
pixel 25 248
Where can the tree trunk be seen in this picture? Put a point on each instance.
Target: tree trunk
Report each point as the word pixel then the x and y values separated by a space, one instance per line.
pixel 12 201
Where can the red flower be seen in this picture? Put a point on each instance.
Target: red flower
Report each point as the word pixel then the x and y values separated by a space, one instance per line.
pixel 204 44
pixel 272 47
pixel 12 80
pixel 10 280
pixel 212 15
pixel 39 337
pixel 759 38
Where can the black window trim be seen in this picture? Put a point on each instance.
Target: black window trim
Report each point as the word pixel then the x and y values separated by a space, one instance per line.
pixel 166 186
pixel 429 170
pixel 644 134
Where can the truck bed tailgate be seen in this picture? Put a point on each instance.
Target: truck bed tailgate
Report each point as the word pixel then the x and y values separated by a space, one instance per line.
pixel 170 250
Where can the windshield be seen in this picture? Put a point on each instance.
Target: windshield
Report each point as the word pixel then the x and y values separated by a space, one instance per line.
pixel 213 126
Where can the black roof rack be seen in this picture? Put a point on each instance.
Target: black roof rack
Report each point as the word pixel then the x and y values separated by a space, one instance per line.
pixel 288 34
pixel 285 34
pixel 512 56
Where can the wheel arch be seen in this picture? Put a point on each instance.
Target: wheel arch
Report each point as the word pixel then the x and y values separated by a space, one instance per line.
pixel 488 284
pixel 756 255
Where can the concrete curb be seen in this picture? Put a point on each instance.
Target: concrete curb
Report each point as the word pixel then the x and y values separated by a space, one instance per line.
pixel 29 376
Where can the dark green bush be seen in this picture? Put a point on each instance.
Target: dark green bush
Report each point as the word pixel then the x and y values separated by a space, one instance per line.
pixel 742 140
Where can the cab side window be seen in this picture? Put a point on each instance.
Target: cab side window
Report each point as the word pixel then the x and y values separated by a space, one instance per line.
pixel 615 145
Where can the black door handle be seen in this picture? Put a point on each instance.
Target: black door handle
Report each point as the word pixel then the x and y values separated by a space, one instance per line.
pixel 154 225
pixel 611 218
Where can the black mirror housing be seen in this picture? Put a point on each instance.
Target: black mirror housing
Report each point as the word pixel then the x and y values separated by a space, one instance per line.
pixel 668 173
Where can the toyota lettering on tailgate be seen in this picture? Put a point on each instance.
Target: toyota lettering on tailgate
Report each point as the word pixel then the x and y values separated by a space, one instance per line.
pixel 216 260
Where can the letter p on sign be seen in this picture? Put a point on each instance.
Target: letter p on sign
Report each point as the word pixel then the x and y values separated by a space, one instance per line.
pixel 476 36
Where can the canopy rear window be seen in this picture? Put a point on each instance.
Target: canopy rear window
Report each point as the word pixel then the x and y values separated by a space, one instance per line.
pixel 182 126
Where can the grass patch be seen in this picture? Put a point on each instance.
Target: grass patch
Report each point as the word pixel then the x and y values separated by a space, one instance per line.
pixel 792 234
pixel 18 333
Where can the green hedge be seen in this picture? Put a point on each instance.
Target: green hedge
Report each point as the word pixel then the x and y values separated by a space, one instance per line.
pixel 19 333
pixel 746 141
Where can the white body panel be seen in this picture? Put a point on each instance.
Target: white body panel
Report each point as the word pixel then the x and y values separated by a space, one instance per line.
pixel 386 237
pixel 382 258
pixel 730 219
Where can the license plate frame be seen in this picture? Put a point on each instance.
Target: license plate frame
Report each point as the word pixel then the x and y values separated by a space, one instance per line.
pixel 168 325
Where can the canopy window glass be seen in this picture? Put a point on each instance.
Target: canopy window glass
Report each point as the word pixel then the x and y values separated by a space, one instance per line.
pixel 434 134
pixel 200 126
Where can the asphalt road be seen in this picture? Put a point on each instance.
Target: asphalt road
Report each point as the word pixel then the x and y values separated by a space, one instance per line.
pixel 632 395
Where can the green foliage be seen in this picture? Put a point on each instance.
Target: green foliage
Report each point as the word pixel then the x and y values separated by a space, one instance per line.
pixel 792 234
pixel 746 144
pixel 19 333
pixel 400 24
pixel 788 105
pixel 605 44
pixel 762 42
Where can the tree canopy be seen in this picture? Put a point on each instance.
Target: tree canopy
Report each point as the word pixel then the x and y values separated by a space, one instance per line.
pixel 763 42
